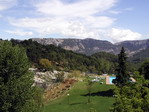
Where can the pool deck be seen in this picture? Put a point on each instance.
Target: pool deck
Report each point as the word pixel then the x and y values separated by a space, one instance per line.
pixel 108 80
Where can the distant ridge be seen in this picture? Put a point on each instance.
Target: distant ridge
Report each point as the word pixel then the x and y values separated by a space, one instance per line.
pixel 90 46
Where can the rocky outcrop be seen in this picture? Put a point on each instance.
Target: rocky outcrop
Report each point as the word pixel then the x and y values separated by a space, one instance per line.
pixel 134 47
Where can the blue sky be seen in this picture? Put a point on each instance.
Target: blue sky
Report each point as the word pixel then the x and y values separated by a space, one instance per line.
pixel 112 20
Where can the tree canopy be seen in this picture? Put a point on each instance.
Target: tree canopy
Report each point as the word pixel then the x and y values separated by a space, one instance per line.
pixel 17 93
pixel 144 69
pixel 133 97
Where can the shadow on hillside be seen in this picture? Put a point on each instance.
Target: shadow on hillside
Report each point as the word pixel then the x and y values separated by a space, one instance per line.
pixel 78 103
pixel 108 93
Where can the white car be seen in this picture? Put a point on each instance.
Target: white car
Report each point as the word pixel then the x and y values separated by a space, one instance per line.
pixel 95 80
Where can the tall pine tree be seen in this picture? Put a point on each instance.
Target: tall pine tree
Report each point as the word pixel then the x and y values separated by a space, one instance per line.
pixel 144 70
pixel 17 93
pixel 122 77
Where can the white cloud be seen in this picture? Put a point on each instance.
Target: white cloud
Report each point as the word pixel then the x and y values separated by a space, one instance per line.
pixel 20 33
pixel 128 9
pixel 99 22
pixel 81 8
pixel 76 19
pixel 6 4
pixel 118 35
pixel 115 12
pixel 80 19
pixel 121 10
pixel 54 25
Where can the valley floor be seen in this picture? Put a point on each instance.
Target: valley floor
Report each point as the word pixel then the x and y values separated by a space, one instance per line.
pixel 101 99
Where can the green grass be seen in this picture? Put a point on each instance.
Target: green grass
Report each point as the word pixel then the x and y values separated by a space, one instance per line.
pixel 101 99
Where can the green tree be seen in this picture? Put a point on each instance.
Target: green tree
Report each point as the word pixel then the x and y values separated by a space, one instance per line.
pixel 17 93
pixel 133 97
pixel 45 64
pixel 122 77
pixel 104 65
pixel 89 85
pixel 144 70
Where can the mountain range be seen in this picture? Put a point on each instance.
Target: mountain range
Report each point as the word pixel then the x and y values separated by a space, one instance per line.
pixel 90 46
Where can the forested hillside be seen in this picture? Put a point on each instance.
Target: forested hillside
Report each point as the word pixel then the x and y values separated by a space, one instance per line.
pixel 67 60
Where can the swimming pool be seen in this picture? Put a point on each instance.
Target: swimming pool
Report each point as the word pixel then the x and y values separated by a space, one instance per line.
pixel 111 79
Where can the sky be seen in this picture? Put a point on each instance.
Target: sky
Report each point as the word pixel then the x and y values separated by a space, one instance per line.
pixel 111 20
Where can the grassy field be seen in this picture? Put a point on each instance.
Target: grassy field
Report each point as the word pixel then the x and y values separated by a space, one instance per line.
pixel 101 99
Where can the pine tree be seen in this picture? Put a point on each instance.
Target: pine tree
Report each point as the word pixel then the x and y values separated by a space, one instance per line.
pixel 122 77
pixel 17 93
pixel 144 70
pixel 133 97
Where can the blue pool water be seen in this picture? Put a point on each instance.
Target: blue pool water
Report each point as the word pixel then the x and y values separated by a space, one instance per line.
pixel 111 78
